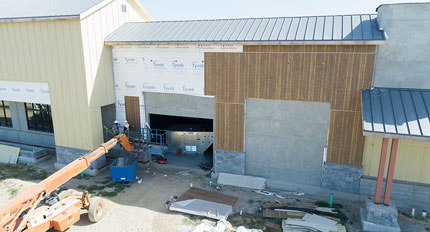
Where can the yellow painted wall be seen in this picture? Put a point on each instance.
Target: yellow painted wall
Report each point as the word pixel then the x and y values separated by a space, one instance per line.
pixel 412 163
pixel 71 57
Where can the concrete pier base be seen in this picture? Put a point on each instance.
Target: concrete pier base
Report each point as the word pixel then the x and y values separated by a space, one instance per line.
pixel 379 217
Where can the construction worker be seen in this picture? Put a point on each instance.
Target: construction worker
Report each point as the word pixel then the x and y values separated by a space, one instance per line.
pixel 126 126
pixel 116 126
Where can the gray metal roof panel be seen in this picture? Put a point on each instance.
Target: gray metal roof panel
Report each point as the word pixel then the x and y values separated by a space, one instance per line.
pixel 292 31
pixel 397 113
pixel 285 29
pixel 21 9
pixel 269 29
pixel 277 29
pixel 307 28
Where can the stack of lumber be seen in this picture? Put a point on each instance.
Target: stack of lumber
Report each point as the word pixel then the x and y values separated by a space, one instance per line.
pixel 305 217
pixel 312 222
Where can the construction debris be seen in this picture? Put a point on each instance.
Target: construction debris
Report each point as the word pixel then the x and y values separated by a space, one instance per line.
pixel 270 213
pixel 283 211
pixel 242 181
pixel 272 225
pixel 196 193
pixel 311 222
pixel 263 192
pixel 203 208
pixel 293 193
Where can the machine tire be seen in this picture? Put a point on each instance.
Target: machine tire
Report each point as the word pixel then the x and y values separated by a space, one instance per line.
pixel 97 209
pixel 69 193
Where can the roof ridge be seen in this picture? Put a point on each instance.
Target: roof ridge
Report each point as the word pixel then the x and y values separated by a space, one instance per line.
pixel 271 17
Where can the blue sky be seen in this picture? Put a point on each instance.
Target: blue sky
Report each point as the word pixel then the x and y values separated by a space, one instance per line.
pixel 210 9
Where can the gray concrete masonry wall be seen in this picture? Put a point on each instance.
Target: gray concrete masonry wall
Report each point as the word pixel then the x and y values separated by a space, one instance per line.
pixel 229 161
pixel 340 177
pixel 404 194
pixel 403 60
pixel 285 140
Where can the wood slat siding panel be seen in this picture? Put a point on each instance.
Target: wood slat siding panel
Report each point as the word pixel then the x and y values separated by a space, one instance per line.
pixel 132 113
pixel 345 140
pixel 230 126
pixel 333 74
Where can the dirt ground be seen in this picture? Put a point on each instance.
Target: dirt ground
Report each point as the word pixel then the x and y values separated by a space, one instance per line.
pixel 141 207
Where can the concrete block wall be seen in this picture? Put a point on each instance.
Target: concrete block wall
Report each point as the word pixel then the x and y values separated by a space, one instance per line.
pixel 229 161
pixel 404 194
pixel 340 177
pixel 65 155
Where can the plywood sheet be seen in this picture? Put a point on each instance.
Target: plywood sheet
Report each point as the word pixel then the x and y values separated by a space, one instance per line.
pixel 203 208
pixel 196 193
pixel 9 154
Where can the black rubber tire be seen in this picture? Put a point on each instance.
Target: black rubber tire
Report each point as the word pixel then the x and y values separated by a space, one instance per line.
pixel 97 209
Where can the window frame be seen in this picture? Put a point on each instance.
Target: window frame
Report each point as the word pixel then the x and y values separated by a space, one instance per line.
pixel 4 122
pixel 39 120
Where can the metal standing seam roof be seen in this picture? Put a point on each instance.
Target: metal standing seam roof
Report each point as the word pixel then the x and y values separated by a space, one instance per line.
pixel 396 113
pixel 27 9
pixel 337 28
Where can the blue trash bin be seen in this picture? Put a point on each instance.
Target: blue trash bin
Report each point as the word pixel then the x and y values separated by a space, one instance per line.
pixel 124 169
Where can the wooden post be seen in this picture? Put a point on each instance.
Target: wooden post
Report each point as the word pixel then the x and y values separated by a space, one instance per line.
pixel 391 165
pixel 381 170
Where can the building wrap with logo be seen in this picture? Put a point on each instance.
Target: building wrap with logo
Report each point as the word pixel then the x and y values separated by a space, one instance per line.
pixel 175 69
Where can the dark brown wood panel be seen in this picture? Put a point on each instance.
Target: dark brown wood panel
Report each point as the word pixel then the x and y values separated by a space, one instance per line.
pixel 333 74
pixel 132 113
pixel 230 126
pixel 346 140
pixel 196 193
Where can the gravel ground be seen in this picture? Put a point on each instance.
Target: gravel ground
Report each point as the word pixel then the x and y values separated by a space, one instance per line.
pixel 141 207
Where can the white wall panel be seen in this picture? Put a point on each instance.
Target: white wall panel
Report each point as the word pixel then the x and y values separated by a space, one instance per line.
pixel 160 68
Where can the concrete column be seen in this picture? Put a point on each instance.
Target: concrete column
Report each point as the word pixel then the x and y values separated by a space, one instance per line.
pixel 22 116
pixel 392 164
pixel 381 170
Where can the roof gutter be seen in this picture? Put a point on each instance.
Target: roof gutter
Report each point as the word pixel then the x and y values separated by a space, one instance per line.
pixel 42 18
pixel 396 136
pixel 311 42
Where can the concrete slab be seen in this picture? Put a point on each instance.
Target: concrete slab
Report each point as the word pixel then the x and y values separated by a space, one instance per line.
pixel 9 154
pixel 242 181
pixel 203 208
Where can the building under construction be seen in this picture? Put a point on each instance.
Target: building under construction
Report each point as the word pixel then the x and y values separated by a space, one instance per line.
pixel 306 102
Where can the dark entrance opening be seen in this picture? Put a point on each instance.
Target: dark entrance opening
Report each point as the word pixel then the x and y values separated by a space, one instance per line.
pixel 192 139
pixel 178 123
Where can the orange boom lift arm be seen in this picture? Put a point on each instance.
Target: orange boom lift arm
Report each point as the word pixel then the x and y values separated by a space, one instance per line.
pixel 23 213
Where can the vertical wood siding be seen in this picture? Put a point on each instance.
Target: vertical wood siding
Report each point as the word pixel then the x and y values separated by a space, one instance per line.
pixel 333 74
pixel 132 111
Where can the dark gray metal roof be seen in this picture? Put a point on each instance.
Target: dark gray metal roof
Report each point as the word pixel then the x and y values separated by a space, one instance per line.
pixel 396 113
pixel 12 10
pixel 338 28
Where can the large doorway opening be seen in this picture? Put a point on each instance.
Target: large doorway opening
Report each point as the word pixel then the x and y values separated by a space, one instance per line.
pixel 192 139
